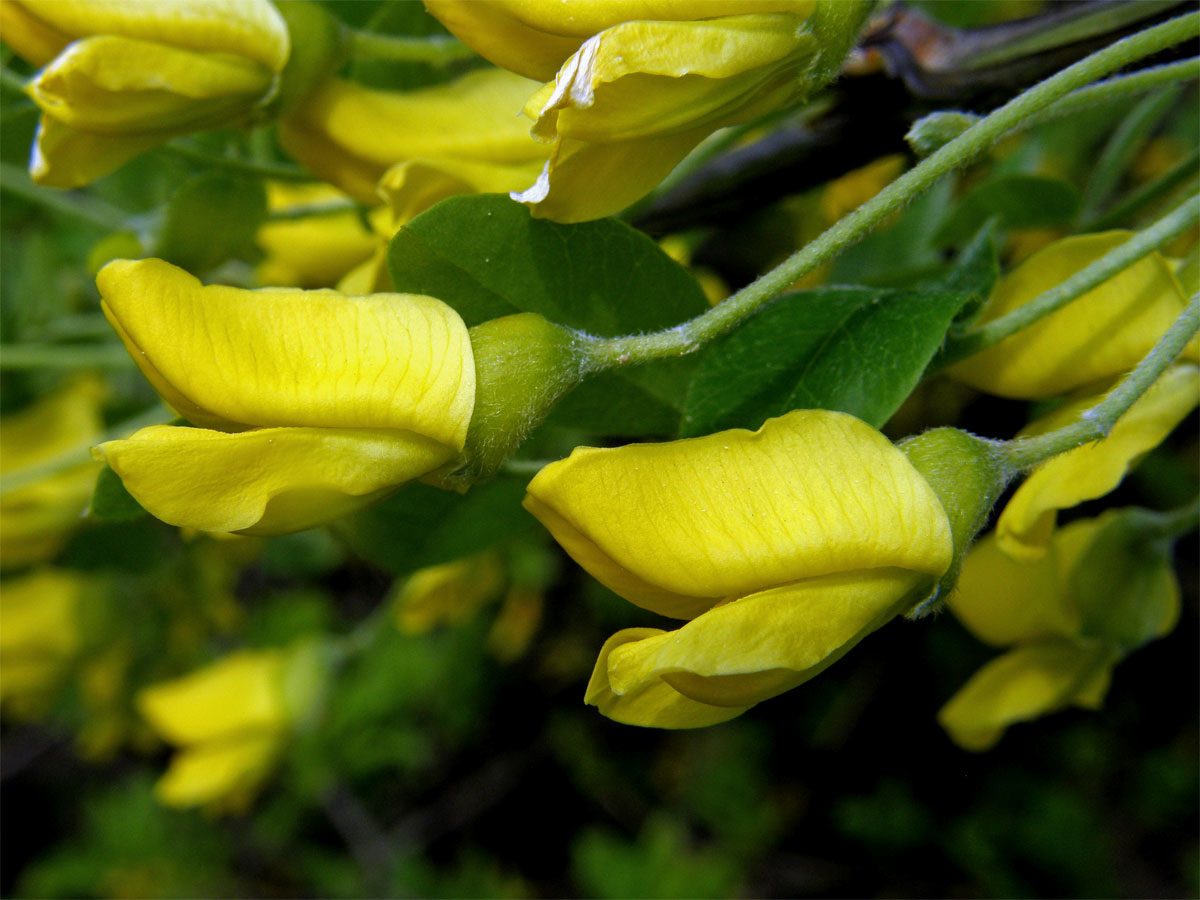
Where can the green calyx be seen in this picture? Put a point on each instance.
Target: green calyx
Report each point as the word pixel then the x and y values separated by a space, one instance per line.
pixel 320 44
pixel 968 475
pixel 523 365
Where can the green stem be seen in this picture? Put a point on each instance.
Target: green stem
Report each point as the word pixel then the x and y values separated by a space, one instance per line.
pixel 1140 245
pixel 75 456
pixel 11 81
pixel 436 50
pixel 1118 87
pixel 1120 149
pixel 83 207
pixel 293 213
pixel 274 171
pixel 1149 193
pixel 1095 423
pixel 1175 523
pixel 691 335
pixel 63 356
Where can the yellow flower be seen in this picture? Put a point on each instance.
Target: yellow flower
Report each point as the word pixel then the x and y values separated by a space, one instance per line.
pixel 451 593
pixel 37 518
pixel 642 83
pixel 1098 591
pixel 460 137
pixel 1091 471
pixel 784 546
pixel 123 77
pixel 516 623
pixel 230 720
pixel 1100 335
pixel 316 250
pixel 310 404
pixel 39 635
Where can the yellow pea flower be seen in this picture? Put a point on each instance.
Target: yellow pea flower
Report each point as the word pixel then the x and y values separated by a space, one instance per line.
pixel 39 636
pixel 37 518
pixel 1069 627
pixel 461 137
pixel 1091 471
pixel 784 546
pixel 310 404
pixel 122 77
pixel 1100 335
pixel 516 624
pixel 451 593
pixel 230 720
pixel 644 82
pixel 314 251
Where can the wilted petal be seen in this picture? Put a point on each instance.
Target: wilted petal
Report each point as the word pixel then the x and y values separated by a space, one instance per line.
pixel 1023 684
pixel 269 480
pixel 1091 471
pixel 652 703
pixel 675 527
pixel 1102 334
pixel 233 358
pixel 649 79
pixel 242 692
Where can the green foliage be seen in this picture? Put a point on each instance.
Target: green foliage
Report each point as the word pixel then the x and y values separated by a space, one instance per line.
pixel 857 350
pixel 111 502
pixel 487 257
pixel 210 218
pixel 1017 200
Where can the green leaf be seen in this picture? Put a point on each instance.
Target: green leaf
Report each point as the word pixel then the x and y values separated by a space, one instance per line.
pixel 423 526
pixel 973 273
pixel 111 502
pixel 487 257
pixel 855 349
pixel 1019 200
pixel 211 218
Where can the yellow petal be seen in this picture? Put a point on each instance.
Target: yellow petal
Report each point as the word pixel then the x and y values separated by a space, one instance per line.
pixel 64 420
pixel 30 37
pixel 242 692
pixel 370 276
pixel 533 37
pixel 675 527
pixel 66 158
pixel 645 79
pixel 228 357
pixel 247 28
pixel 269 480
pixel 1031 681
pixel 584 181
pixel 1093 470
pixel 1001 600
pixel 350 135
pixel 653 703
pixel 223 773
pixel 412 187
pixel 1100 335
pixel 93 87
pixel 37 518
pixel 314 251
pixel 516 623
pixel 451 593
pixel 740 653
pixel 38 614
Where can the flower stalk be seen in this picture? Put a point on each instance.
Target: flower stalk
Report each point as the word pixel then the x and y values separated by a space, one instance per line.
pixel 691 336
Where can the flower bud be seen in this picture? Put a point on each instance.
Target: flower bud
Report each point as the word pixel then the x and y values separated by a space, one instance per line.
pixel 319 47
